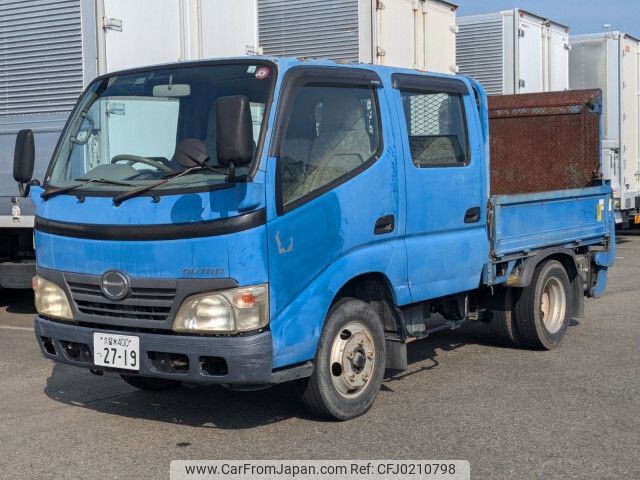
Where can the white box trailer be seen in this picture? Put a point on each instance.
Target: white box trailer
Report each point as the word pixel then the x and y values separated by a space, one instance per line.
pixel 611 61
pixel 418 34
pixel 514 51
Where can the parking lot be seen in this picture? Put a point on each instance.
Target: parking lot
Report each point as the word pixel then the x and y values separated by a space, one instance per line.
pixel 569 413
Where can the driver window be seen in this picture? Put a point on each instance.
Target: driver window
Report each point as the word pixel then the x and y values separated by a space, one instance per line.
pixel 331 131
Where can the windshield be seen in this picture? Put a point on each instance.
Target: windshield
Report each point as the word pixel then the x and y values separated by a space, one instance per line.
pixel 126 128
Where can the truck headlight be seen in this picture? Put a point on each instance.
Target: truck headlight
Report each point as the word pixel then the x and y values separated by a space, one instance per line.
pixel 50 299
pixel 224 311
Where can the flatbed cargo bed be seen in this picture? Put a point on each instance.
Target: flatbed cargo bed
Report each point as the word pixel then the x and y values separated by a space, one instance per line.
pixel 545 180
pixel 526 222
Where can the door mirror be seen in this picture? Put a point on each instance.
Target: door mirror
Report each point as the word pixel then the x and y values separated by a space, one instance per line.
pixel 23 160
pixel 234 132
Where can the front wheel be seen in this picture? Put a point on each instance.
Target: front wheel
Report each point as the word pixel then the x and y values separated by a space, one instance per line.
pixel 544 309
pixel 350 362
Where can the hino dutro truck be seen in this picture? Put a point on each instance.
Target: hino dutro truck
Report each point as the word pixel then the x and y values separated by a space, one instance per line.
pixel 254 221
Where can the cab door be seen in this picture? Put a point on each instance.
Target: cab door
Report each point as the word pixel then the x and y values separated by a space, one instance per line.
pixel 445 236
pixel 337 210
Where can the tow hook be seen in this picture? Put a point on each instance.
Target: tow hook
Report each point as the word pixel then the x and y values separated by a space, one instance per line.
pixel 96 372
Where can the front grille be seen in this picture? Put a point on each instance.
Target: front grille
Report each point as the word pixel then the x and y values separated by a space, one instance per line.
pixel 142 303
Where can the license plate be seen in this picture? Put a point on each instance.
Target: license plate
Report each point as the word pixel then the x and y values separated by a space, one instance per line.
pixel 618 216
pixel 116 351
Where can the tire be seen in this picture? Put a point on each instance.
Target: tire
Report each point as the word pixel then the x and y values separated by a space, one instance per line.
pixel 503 328
pixel 543 310
pixel 349 364
pixel 152 384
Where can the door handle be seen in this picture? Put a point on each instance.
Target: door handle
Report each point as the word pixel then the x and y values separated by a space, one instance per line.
pixel 384 225
pixel 472 215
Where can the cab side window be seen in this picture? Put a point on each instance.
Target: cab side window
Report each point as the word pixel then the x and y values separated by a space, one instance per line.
pixel 436 128
pixel 331 131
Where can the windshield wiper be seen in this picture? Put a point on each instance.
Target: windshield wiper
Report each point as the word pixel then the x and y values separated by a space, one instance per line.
pixel 121 197
pixel 58 190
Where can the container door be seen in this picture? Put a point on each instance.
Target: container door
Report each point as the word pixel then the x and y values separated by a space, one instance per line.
pixel 446 238
pixel 630 149
pixel 227 29
pixel 397 35
pixel 530 77
pixel 439 33
pixel 144 32
pixel 558 68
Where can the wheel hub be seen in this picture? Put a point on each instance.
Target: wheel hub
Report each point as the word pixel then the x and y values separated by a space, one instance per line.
pixel 353 358
pixel 359 360
pixel 553 305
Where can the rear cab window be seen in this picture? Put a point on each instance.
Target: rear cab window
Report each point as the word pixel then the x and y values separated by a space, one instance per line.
pixel 435 119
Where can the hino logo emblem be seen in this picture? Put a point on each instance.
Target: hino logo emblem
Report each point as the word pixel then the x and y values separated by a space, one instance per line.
pixel 114 285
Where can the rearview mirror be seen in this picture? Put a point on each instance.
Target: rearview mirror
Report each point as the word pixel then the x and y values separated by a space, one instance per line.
pixel 23 160
pixel 172 90
pixel 234 131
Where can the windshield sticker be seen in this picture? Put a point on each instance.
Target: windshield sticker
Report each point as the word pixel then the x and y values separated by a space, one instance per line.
pixel 115 108
pixel 262 73
pixel 251 69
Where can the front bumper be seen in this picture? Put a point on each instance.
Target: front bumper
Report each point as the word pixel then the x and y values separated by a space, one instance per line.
pixel 247 360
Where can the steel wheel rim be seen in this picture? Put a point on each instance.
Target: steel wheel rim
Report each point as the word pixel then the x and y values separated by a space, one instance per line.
pixel 353 360
pixel 553 305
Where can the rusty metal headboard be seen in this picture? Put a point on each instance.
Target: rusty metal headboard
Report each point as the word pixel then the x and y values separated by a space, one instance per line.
pixel 544 141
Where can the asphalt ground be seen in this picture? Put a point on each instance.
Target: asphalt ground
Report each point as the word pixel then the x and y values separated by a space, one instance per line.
pixel 516 414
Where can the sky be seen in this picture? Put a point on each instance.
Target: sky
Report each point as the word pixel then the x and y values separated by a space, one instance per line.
pixel 582 16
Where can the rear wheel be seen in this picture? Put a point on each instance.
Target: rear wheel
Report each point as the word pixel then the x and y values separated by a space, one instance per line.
pixel 147 383
pixel 503 328
pixel 543 310
pixel 350 362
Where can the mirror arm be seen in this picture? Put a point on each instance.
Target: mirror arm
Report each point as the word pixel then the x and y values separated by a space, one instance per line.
pixel 25 188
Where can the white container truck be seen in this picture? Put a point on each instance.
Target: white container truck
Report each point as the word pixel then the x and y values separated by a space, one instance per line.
pixel 514 51
pixel 611 61
pixel 418 34
pixel 51 49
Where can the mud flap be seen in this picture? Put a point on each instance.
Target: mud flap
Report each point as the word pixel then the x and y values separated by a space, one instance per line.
pixel 396 354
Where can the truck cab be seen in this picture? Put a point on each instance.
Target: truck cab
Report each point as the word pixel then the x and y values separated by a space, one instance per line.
pixel 253 221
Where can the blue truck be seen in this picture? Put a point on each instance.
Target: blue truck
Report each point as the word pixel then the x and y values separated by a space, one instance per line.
pixel 253 221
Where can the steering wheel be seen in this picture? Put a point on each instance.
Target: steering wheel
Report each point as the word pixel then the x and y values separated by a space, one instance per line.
pixel 131 159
